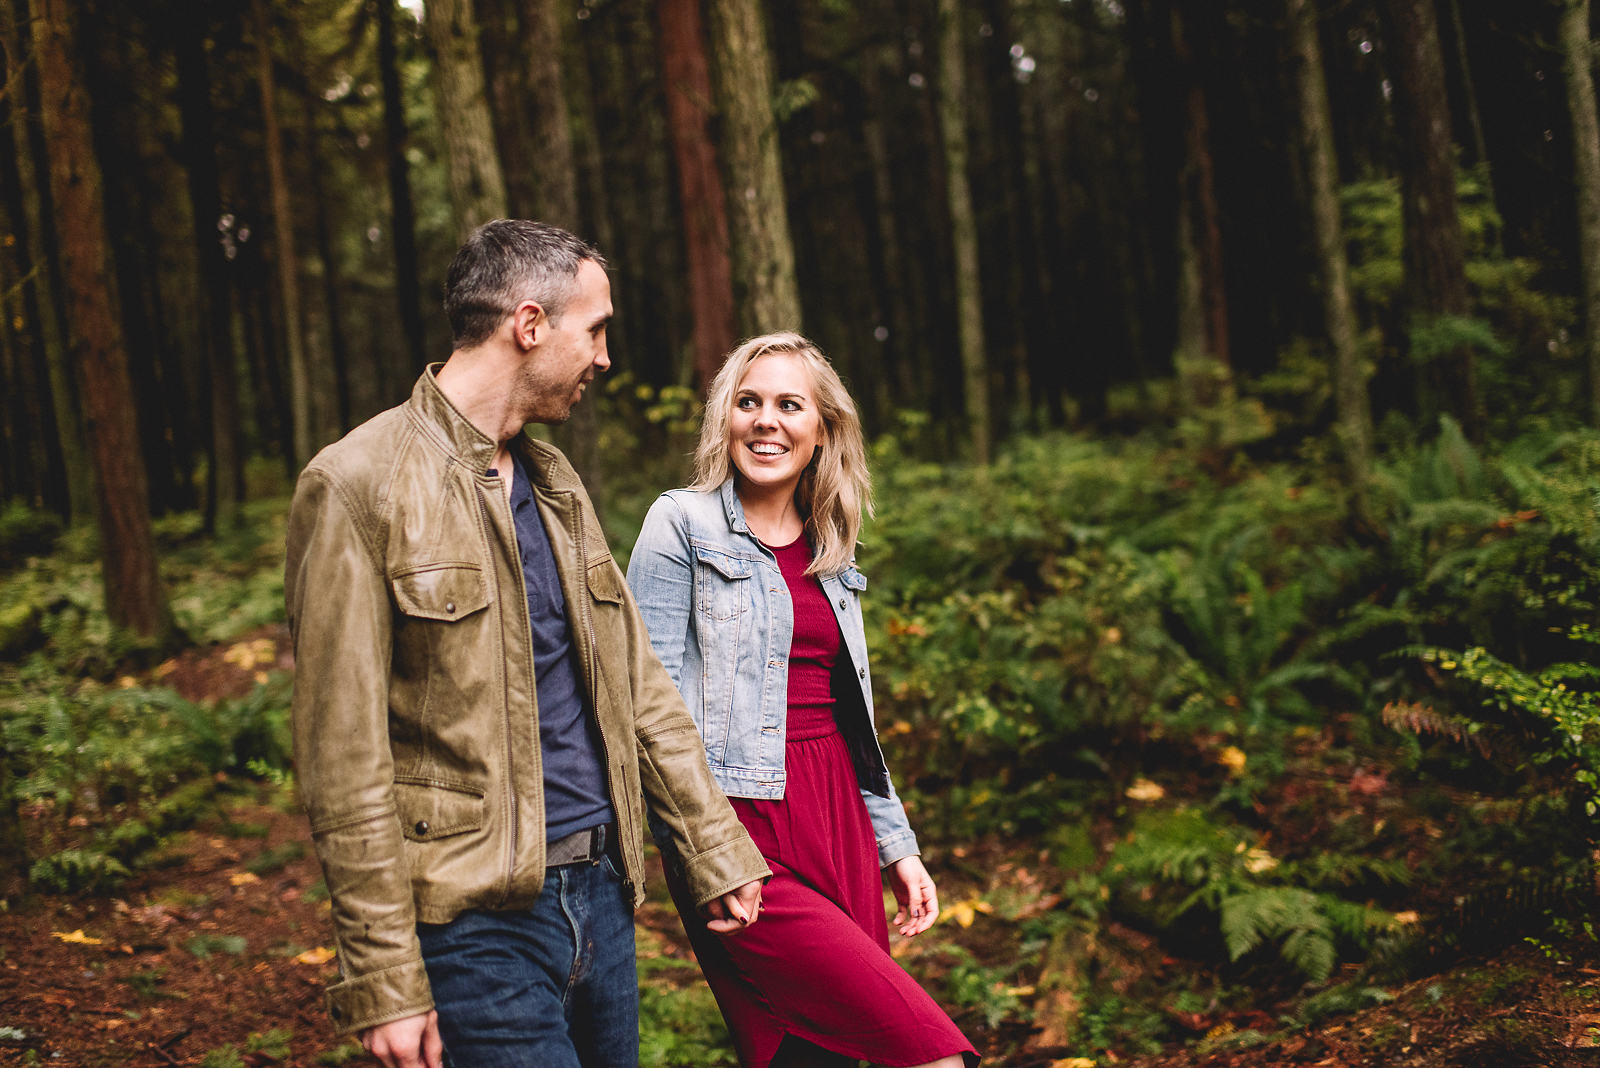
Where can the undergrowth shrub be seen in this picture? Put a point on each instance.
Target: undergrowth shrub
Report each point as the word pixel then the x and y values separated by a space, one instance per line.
pixel 1195 879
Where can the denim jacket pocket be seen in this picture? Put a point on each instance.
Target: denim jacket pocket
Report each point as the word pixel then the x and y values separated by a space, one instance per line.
pixel 721 583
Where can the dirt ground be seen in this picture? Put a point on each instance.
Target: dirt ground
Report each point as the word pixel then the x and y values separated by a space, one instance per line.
pixel 218 955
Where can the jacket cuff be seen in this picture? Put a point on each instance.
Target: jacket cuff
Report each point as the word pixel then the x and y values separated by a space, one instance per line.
pixel 364 1001
pixel 897 846
pixel 722 868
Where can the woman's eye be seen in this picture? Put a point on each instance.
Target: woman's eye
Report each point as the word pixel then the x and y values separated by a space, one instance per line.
pixel 747 403
pixel 791 406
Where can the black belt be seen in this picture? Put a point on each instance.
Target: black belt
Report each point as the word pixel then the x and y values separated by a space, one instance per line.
pixel 579 847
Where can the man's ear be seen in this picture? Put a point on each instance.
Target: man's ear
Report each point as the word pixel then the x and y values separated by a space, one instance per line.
pixel 527 320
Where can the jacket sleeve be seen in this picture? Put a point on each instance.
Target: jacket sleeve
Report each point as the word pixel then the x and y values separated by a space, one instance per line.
pixel 661 574
pixel 716 852
pixel 340 617
pixel 890 826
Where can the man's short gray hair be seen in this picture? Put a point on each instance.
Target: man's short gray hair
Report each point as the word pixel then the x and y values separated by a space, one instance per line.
pixel 507 261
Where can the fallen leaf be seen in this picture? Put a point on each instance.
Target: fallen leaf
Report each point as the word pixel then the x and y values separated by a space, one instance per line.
pixel 78 938
pixel 243 878
pixel 1145 790
pixel 315 957
pixel 964 912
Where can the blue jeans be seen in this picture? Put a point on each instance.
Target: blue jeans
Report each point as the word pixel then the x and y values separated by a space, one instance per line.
pixel 551 986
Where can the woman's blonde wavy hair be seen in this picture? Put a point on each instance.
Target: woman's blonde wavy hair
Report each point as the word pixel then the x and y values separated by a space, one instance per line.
pixel 835 490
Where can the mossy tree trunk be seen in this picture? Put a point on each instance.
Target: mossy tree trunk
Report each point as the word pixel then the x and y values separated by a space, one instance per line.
pixel 135 599
pixel 963 229
pixel 766 293
pixel 1316 131
pixel 1586 164
pixel 477 187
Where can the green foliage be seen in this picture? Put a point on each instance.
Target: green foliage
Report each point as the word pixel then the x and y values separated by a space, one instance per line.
pixel 204 946
pixel 276 858
pixel 74 871
pixel 1253 898
pixel 349 1053
pixel 26 532
pixel 679 1024
pixel 1555 712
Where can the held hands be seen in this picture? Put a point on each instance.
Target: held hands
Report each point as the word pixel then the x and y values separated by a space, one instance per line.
pixel 409 1042
pixel 735 910
pixel 913 888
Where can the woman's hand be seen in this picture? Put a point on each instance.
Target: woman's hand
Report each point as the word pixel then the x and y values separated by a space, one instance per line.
pixel 913 889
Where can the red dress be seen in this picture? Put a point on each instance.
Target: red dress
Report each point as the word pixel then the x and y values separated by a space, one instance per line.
pixel 816 966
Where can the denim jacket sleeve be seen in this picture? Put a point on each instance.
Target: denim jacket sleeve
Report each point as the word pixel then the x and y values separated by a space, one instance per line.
pixel 661 575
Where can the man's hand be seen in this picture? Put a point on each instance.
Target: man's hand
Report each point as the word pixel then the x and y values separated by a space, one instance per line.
pixel 913 888
pixel 735 910
pixel 409 1042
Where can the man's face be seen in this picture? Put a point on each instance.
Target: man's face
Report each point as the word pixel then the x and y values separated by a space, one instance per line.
pixel 571 350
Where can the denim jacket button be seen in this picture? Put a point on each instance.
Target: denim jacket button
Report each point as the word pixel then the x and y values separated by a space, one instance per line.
pixel 842 602
pixel 861 672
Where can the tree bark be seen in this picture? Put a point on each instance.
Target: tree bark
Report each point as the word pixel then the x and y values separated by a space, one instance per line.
pixel 68 490
pixel 686 77
pixel 1316 131
pixel 225 478
pixel 964 230
pixel 766 292
pixel 407 291
pixel 1435 251
pixel 555 168
pixel 134 596
pixel 477 188
pixel 288 261
pixel 1586 163
pixel 1203 315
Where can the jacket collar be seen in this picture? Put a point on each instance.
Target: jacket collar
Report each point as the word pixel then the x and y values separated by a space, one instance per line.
pixel 733 508
pixel 448 426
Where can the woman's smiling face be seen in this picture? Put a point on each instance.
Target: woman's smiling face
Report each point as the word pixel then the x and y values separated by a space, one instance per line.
pixel 775 428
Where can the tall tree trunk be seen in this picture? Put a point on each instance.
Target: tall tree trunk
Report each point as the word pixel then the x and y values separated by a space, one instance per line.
pixel 1435 251
pixel 1469 90
pixel 686 78
pixel 134 596
pixel 1586 162
pixel 407 290
pixel 225 479
pixel 68 490
pixel 555 170
pixel 288 260
pixel 555 196
pixel 963 229
pixel 767 293
pixel 1200 232
pixel 1316 131
pixel 477 188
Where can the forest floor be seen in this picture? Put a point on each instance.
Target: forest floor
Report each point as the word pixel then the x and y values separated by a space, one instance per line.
pixel 217 956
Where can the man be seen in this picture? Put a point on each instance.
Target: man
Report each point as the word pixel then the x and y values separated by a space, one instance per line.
pixel 477 709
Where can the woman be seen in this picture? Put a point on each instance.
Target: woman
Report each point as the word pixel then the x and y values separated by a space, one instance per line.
pixel 747 582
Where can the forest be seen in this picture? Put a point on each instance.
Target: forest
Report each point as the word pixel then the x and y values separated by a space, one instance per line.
pixel 1231 374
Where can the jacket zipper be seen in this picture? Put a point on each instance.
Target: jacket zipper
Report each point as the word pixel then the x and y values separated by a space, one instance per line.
pixel 593 659
pixel 505 703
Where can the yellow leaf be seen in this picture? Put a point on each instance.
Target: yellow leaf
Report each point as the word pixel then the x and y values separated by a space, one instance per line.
pixel 1259 860
pixel 964 912
pixel 78 938
pixel 1408 916
pixel 127 682
pixel 1233 759
pixel 1145 790
pixel 1074 1062
pixel 315 957
pixel 243 878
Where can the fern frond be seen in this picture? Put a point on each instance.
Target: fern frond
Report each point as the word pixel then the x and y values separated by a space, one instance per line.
pixel 1413 717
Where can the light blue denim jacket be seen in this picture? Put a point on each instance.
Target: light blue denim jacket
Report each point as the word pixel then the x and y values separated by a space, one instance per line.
pixel 720 619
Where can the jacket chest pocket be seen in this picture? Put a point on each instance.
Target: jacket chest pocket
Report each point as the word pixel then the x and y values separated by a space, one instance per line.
pixel 441 591
pixel 721 583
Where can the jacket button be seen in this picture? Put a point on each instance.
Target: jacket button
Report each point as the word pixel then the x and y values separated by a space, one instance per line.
pixel 450 607
pixel 422 828
pixel 861 673
pixel 841 602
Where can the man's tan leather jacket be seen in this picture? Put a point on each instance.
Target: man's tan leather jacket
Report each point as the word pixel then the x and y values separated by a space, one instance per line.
pixel 416 734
